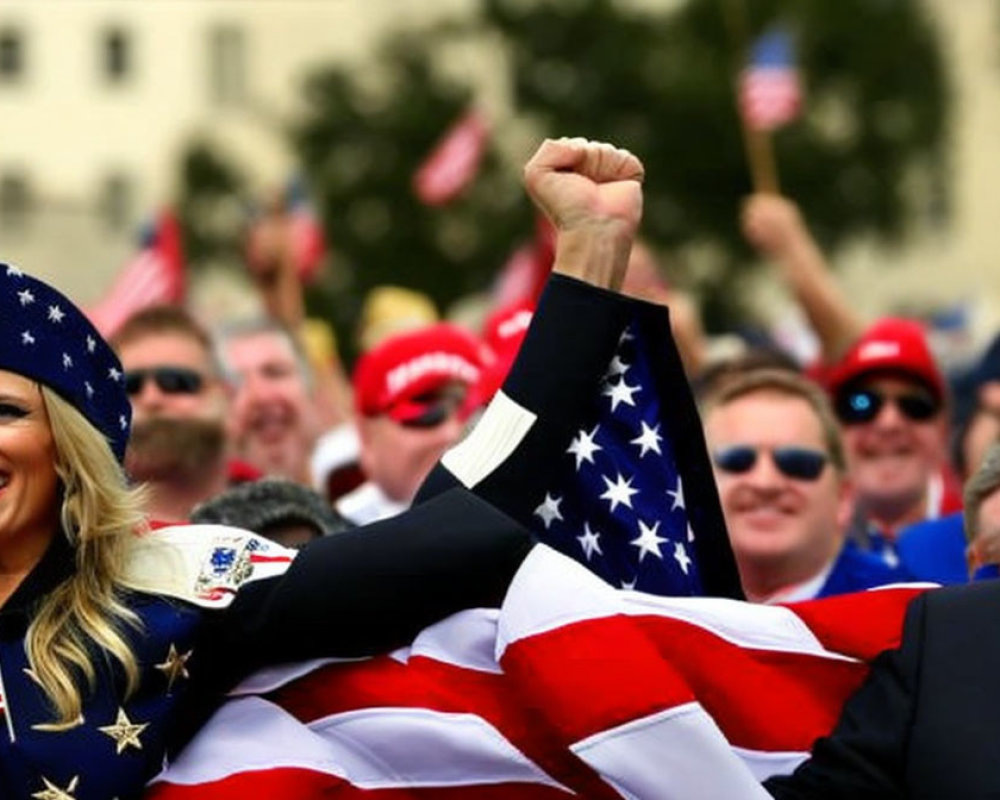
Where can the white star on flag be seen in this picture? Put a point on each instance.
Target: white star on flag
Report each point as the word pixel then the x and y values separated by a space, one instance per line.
pixel 56 314
pixel 114 374
pixel 620 491
pixel 690 533
pixel 15 272
pixel 590 541
pixel 648 541
pixel 91 344
pixel 648 440
pixel 26 297
pixel 615 368
pixel 677 495
pixel 67 361
pixel 584 447
pixel 123 421
pixel 629 586
pixel 27 338
pixel 619 393
pixel 89 388
pixel 681 556
pixel 549 510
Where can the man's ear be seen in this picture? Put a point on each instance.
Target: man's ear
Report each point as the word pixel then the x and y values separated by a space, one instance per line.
pixel 845 503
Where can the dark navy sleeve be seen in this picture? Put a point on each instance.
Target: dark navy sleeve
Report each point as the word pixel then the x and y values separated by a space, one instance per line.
pixel 373 588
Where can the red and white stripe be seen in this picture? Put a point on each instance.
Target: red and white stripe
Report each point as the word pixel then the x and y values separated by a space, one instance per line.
pixel 769 97
pixel 572 688
pixel 453 162
pixel 154 275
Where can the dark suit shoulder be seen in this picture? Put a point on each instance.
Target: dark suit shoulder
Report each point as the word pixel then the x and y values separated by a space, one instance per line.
pixel 968 601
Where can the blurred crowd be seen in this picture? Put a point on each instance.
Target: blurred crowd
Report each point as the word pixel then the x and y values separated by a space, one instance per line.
pixel 835 475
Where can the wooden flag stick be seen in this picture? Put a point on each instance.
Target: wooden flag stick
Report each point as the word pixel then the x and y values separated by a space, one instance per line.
pixel 757 143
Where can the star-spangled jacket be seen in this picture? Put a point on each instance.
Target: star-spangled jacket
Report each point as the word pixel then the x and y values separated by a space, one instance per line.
pixel 214 604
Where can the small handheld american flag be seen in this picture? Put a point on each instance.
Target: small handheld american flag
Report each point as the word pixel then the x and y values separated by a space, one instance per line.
pixel 770 91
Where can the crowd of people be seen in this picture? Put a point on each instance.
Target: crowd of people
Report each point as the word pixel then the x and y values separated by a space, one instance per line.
pixel 832 477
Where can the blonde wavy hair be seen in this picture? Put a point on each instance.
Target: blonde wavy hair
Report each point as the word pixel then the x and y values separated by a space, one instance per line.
pixel 100 513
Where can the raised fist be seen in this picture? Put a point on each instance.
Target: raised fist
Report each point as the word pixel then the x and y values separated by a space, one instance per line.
pixel 579 183
pixel 771 223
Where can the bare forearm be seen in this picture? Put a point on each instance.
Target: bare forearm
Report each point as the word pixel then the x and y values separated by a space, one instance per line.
pixel 807 274
pixel 596 254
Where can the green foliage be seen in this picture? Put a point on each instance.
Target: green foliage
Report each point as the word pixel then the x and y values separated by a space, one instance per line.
pixel 212 206
pixel 361 145
pixel 865 157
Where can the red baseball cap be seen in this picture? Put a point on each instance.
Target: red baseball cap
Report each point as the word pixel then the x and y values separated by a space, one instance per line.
pixel 890 345
pixel 392 377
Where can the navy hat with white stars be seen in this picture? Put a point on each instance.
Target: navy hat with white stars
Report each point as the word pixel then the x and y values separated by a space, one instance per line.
pixel 43 336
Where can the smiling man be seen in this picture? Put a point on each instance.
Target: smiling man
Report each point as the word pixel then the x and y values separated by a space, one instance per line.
pixel 275 421
pixel 178 447
pixel 780 469
pixel 891 400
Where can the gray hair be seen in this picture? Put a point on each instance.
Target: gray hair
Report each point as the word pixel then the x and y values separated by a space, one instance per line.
pixel 243 329
pixel 981 485
pixel 268 503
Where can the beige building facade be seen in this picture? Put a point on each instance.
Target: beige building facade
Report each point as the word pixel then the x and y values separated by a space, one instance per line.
pixel 99 97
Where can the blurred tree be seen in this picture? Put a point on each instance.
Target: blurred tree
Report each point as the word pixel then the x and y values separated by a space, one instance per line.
pixel 211 206
pixel 867 155
pixel 365 135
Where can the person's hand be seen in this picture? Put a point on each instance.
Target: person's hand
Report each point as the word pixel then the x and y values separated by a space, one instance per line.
pixel 771 223
pixel 592 192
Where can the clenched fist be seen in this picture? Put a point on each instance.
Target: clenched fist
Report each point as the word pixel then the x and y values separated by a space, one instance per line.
pixel 592 192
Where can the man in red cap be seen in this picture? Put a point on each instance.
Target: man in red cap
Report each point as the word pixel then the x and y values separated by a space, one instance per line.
pixel 413 394
pixel 891 400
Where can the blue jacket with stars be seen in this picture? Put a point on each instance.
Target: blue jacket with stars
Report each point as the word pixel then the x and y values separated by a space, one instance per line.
pixel 209 621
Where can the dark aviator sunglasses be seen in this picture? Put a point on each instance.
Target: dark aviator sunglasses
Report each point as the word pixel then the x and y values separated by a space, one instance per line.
pixel 169 380
pixel 858 406
pixel 800 463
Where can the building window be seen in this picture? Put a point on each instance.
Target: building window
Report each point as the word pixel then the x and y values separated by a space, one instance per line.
pixel 11 55
pixel 116 201
pixel 116 55
pixel 15 200
pixel 227 65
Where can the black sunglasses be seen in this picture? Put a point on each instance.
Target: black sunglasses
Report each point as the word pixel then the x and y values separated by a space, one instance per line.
pixel 439 406
pixel 858 406
pixel 169 380
pixel 800 463
pixel 433 416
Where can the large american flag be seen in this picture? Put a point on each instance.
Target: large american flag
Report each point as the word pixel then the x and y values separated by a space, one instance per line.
pixel 571 688
pixel 619 505
pixel 769 91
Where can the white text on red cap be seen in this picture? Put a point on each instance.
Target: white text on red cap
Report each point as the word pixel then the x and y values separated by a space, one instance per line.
pixel 873 350
pixel 440 363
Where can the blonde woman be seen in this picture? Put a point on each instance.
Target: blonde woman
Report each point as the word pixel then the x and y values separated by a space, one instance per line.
pixel 116 642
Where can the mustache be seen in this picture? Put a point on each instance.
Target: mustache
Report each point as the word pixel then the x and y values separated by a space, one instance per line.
pixel 165 448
